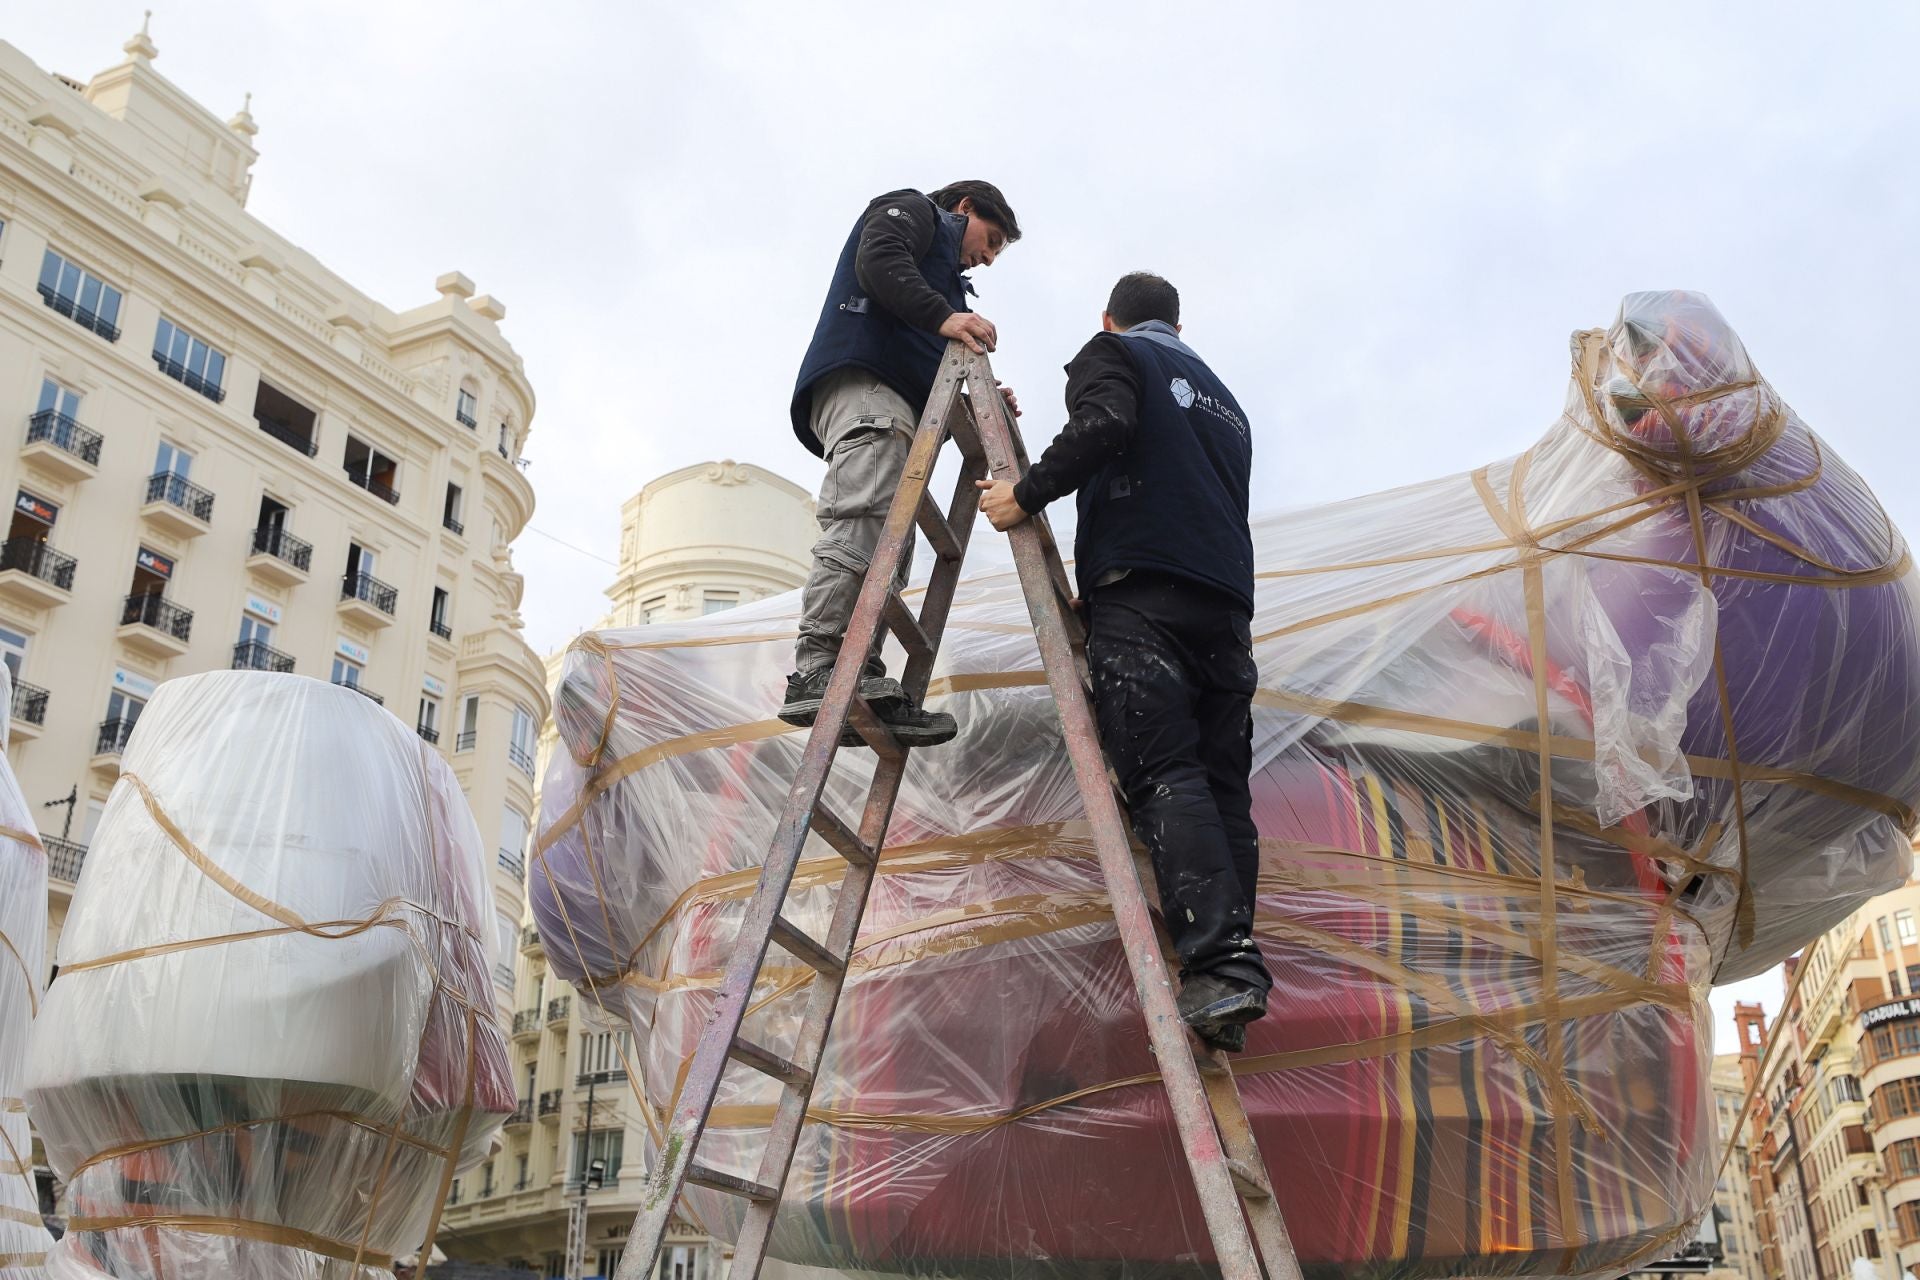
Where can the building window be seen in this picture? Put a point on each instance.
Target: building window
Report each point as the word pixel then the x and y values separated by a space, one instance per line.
pixel 604 1051
pixel 1903 926
pixel 506 438
pixel 371 469
pixel 520 1182
pixel 450 515
pixel 187 359
pixel 650 610
pixel 437 616
pixel 610 1263
pixel 520 746
pixel 513 839
pixel 1893 984
pixel 1907 1218
pixel 346 672
pixel 469 723
pixel 1895 1099
pixel 1892 1040
pixel 467 410
pixel 62 402
pixel 428 725
pixel 13 652
pixel 1886 934
pixel 605 1145
pixel 80 295
pixel 509 935
pixel 718 601
pixel 286 419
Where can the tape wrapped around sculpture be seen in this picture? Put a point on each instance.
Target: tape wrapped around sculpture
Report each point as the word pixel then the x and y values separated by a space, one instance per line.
pixel 1541 752
pixel 23 944
pixel 272 1039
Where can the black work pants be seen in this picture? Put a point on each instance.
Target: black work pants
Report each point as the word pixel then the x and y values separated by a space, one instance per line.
pixel 1173 681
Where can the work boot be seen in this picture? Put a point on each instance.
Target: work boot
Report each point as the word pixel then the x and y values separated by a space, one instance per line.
pixel 1230 1038
pixel 1210 1004
pixel 911 725
pixel 806 691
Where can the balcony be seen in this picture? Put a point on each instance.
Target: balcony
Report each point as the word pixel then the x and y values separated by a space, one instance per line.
pixel 64 858
pixel 557 1009
pixel 428 735
pixel 61 447
pixel 177 505
pixel 109 742
pixel 29 711
pixel 367 600
pixel 464 741
pixel 466 419
pixel 522 1114
pixel 530 939
pixel 526 1023
pixel 550 1104
pixel 253 655
pixel 156 626
pixel 34 575
pixel 188 378
pixel 453 526
pixel 522 759
pixel 285 433
pixel 280 557
pixel 377 488
pixel 80 315
pixel 374 698
pixel 440 628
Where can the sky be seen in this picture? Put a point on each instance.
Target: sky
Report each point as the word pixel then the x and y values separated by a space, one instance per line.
pixel 1384 221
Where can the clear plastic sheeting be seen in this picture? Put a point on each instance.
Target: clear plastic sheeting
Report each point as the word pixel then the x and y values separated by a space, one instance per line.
pixel 23 944
pixel 272 1041
pixel 1541 752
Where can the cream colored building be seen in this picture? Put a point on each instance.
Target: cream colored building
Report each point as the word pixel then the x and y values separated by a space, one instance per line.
pixel 224 455
pixel 1732 1201
pixel 699 540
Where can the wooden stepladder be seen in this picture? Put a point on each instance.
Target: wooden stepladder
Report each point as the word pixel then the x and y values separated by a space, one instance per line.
pixel 1235 1197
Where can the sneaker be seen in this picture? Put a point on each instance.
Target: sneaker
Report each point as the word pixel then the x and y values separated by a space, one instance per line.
pixel 1209 1003
pixel 805 693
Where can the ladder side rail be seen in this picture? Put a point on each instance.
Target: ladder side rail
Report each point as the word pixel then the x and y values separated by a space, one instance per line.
pixel 1167 1034
pixel 710 1058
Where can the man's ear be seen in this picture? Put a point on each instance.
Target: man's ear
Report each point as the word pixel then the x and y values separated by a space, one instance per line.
pixel 1106 323
pixel 1176 328
pixel 965 206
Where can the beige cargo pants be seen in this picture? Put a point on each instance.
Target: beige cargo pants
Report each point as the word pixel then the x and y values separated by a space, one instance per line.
pixel 866 428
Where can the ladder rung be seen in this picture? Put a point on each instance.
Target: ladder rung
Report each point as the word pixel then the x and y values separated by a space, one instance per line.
pixel 802 947
pixel 1247 1181
pixel 872 731
pixel 768 1063
pixel 912 637
pixel 714 1180
pixel 939 532
pixel 840 836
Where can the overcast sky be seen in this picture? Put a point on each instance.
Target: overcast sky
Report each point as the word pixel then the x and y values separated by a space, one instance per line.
pixel 1384 221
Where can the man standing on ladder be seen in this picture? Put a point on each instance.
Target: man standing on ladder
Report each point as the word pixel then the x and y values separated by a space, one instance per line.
pixel 899 293
pixel 1159 453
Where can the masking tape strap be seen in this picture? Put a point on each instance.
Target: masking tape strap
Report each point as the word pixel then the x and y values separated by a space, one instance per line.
pixel 239 1228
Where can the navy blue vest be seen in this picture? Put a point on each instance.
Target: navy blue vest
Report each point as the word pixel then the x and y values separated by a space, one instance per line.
pixel 1176 500
pixel 856 331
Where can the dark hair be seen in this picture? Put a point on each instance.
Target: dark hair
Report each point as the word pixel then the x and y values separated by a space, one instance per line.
pixel 987 202
pixel 1141 296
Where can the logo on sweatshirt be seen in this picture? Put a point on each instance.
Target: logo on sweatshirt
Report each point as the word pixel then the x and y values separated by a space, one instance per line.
pixel 1182 393
pixel 1187 398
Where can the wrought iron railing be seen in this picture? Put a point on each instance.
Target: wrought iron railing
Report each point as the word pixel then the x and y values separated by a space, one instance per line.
pixel 453 526
pixel 465 741
pixel 35 558
pixel 378 488
pixel 63 433
pixel 193 381
pixel 160 613
pixel 429 735
pixel 113 735
pixel 78 314
pixel 364 586
pixel 440 628
pixel 29 703
pixel 254 655
pixel 522 758
pixel 550 1102
pixel 64 858
pixel 178 491
pixel 368 694
pixel 288 435
pixel 275 541
pixel 557 1008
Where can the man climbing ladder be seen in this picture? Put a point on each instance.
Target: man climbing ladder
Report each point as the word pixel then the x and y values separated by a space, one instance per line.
pixel 1236 1201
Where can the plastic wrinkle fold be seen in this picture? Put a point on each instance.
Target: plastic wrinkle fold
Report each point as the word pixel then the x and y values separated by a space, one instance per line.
pixel 1542 751
pixel 273 1039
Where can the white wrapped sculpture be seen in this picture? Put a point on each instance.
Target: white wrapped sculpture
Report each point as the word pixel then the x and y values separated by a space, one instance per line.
pixel 272 1041
pixel 23 945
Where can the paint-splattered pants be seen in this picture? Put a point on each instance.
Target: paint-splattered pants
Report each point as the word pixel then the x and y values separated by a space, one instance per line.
pixel 1173 680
